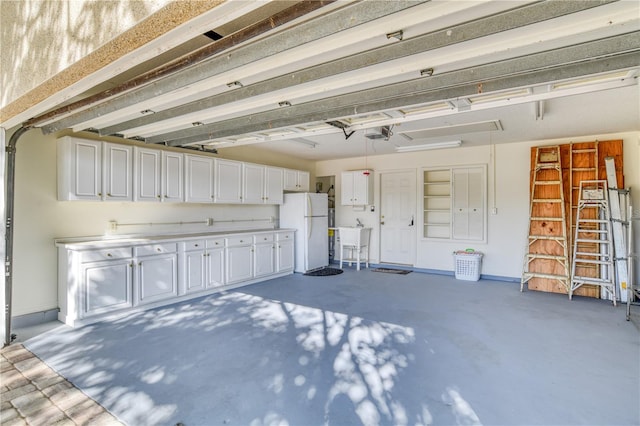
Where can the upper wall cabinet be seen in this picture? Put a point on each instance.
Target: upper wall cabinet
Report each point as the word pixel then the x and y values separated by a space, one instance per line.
pixel 262 184
pixel 93 170
pixel 357 188
pixel 198 179
pixel 228 181
pixel 159 175
pixel 296 180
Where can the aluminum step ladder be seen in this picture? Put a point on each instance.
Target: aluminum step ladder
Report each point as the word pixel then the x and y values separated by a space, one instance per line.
pixel 547 255
pixel 593 253
pixel 619 199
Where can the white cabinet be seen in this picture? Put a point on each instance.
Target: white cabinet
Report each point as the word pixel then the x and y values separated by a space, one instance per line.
pixel 262 184
pixel 93 170
pixel 264 255
pixel 198 179
pixel 228 181
pixel 100 283
pixel 157 273
pixel 118 172
pixel 172 177
pixel 357 188
pixel 159 175
pixel 202 265
pixel 296 180
pixel 284 252
pixel 147 166
pixel 106 286
pixel 239 259
pixel 253 183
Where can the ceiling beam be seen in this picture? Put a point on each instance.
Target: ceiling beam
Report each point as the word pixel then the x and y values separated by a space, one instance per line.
pixel 393 95
pixel 349 16
pixel 522 16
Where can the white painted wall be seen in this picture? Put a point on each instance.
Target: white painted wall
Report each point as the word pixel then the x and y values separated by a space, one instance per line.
pixel 508 191
pixel 41 218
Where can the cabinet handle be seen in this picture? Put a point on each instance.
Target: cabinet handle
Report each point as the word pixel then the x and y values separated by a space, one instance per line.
pixel 131 265
pixel 109 255
pixel 196 245
pixel 265 238
pixel 242 241
pixel 140 263
pixel 99 194
pixel 158 249
pixel 108 194
pixel 158 195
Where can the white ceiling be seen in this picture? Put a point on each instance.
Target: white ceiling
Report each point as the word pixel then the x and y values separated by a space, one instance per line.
pixel 495 61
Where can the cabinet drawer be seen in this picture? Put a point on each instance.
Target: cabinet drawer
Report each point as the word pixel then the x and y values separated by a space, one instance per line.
pixel 155 249
pixel 106 254
pixel 216 242
pixel 242 240
pixel 283 236
pixel 193 245
pixel 263 238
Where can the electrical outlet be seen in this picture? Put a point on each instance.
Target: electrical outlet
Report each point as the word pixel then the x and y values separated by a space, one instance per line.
pixel 209 221
pixel 113 226
pixel 494 210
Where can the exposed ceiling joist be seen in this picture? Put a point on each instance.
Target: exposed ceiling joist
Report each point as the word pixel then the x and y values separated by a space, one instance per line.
pixel 525 15
pixel 553 65
pixel 347 17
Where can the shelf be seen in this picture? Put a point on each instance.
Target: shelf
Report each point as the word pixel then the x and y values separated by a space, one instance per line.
pixel 437 196
pixel 437 224
pixel 437 210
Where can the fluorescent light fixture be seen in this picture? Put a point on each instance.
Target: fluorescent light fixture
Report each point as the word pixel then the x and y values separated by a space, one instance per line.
pixel 305 142
pixel 426 147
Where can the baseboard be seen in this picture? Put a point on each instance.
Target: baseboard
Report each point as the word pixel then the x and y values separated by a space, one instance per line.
pixel 35 318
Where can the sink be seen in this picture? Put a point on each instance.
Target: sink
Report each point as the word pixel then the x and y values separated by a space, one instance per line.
pixel 354 239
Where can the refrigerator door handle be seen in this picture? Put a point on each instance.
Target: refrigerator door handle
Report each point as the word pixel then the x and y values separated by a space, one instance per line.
pixel 309 213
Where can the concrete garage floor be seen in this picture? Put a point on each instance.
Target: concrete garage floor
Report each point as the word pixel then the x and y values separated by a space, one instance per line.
pixel 360 348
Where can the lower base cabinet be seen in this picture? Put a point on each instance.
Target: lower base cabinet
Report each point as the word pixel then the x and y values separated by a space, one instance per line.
pixel 96 283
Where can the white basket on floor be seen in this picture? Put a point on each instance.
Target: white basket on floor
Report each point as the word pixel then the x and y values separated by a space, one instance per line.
pixel 467 265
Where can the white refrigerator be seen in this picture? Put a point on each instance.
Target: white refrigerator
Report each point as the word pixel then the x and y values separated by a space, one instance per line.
pixel 307 213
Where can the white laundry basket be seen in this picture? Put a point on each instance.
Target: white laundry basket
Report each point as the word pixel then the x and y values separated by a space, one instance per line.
pixel 467 265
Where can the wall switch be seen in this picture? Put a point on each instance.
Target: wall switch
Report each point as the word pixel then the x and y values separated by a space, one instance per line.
pixel 494 210
pixel 113 226
pixel 209 221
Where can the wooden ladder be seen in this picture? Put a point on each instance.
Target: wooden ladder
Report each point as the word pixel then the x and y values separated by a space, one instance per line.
pixel 547 253
pixel 593 247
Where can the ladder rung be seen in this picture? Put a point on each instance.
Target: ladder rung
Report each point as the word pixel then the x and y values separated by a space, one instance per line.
pixel 549 276
pixel 547 200
pixel 547 182
pixel 547 237
pixel 582 169
pixel 593 221
pixel 546 256
pixel 548 219
pixel 593 261
pixel 591 231
pixel 583 150
pixel 586 253
pixel 583 240
pixel 592 280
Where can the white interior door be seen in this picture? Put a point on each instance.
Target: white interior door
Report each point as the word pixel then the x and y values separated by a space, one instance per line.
pixel 398 217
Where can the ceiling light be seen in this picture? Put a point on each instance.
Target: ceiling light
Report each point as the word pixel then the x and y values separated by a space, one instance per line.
pixel 429 146
pixel 427 72
pixel 396 34
pixel 305 142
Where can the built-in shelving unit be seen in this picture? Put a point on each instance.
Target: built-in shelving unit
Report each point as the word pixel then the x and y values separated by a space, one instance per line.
pixel 437 203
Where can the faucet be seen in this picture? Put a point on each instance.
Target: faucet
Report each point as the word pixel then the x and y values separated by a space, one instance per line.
pixel 360 224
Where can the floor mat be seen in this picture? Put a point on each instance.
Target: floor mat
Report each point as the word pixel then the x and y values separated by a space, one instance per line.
pixel 391 271
pixel 324 272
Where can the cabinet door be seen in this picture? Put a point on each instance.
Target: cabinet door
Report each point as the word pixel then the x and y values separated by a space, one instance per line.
pixel 360 188
pixel 79 169
pixel 273 185
pixel 172 177
pixel 228 181
pixel 194 271
pixel 157 278
pixel 348 197
pixel 239 264
pixel 199 179
pixel 285 255
pixel 468 203
pixel 264 259
pixel 118 170
pixel 303 181
pixel 147 174
pixel 106 286
pixel 290 180
pixel 252 184
pixel 215 267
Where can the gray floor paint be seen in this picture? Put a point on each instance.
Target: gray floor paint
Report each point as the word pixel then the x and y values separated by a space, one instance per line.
pixel 360 348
